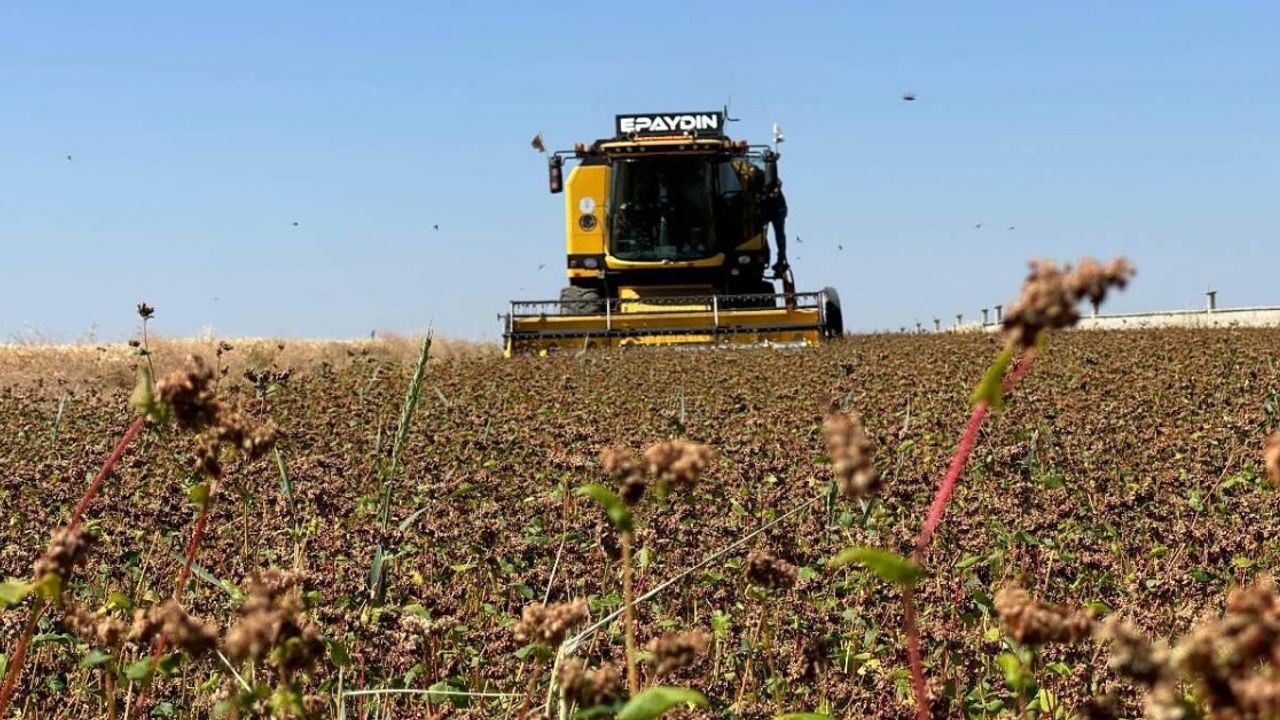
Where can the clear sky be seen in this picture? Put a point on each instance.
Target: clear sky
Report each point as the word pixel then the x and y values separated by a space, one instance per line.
pixel 200 133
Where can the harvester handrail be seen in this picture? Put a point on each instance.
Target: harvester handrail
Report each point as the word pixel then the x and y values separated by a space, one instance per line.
pixel 677 303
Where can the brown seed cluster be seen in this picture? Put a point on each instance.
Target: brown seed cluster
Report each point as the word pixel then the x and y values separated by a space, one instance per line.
pixel 1050 295
pixel 1031 622
pixel 171 621
pixel 770 571
pixel 270 624
pixel 812 656
pixel 673 651
pixel 548 624
pixel 589 687
pixel 1133 656
pixel 1271 457
pixel 190 397
pixel 623 466
pixel 95 628
pixel 1235 661
pixel 850 451
pixel 263 379
pixel 678 461
pixel 67 547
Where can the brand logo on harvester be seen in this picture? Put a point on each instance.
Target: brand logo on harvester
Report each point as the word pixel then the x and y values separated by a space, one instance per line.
pixel 696 123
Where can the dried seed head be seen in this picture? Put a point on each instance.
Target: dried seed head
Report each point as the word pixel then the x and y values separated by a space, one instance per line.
pixel 1134 656
pixel 811 658
pixel 145 311
pixel 172 622
pixel 674 651
pixel 189 395
pixel 588 687
pixel 1271 458
pixel 678 461
pixel 850 451
pixel 621 465
pixel 1034 623
pixel 1223 656
pixel 767 570
pixel 1050 295
pixel 270 624
pixel 97 629
pixel 548 624
pixel 67 547
pixel 251 438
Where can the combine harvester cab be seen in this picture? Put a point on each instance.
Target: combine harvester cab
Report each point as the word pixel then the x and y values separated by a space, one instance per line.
pixel 666 236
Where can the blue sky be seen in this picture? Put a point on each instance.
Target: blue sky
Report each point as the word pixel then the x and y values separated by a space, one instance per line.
pixel 200 134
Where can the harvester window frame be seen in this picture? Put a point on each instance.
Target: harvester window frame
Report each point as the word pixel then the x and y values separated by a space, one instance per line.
pixel 679 199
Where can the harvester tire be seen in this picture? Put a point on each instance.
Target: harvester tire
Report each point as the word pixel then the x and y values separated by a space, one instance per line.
pixel 834 325
pixel 581 300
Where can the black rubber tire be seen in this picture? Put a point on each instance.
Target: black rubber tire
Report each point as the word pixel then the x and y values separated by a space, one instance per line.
pixel 581 300
pixel 834 326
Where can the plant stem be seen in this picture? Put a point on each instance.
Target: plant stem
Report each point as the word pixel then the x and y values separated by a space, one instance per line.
pixel 958 459
pixel 913 653
pixel 967 440
pixel 19 655
pixel 533 683
pixel 629 616
pixel 161 643
pixel 116 454
pixel 24 641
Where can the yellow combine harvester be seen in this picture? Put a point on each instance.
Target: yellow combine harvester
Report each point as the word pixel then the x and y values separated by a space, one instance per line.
pixel 666 237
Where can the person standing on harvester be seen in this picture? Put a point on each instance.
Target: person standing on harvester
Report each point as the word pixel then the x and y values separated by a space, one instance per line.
pixel 775 214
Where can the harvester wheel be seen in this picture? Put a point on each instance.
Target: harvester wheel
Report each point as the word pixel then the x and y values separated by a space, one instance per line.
pixel 581 300
pixel 834 325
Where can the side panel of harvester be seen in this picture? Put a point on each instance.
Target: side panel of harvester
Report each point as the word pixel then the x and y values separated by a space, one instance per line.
pixel 585 208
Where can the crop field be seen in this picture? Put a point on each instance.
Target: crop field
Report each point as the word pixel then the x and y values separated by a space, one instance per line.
pixel 380 527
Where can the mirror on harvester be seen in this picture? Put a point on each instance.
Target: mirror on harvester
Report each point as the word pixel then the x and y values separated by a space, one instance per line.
pixel 555 174
pixel 770 168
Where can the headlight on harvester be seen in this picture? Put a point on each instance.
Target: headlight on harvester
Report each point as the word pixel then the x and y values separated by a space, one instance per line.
pixel 744 259
pixel 589 263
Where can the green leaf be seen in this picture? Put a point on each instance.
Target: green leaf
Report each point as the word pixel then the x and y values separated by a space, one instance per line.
pixel 139 671
pixel 656 701
pixel 338 653
pixel 203 573
pixel 375 571
pixel 198 493
pixel 991 389
pixel 119 601
pixel 445 692
pixel 143 398
pixel 1015 674
pixel 537 651
pixel 891 567
pixel 802 716
pixel 286 484
pixel 94 658
pixel 13 591
pixel 613 505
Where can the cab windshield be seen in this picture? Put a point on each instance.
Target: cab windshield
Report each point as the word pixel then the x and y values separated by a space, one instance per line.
pixel 661 209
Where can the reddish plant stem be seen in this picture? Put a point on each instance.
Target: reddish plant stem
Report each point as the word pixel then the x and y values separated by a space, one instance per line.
pixel 913 653
pixel 961 456
pixel 161 643
pixel 19 655
pixel 11 676
pixel 116 454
